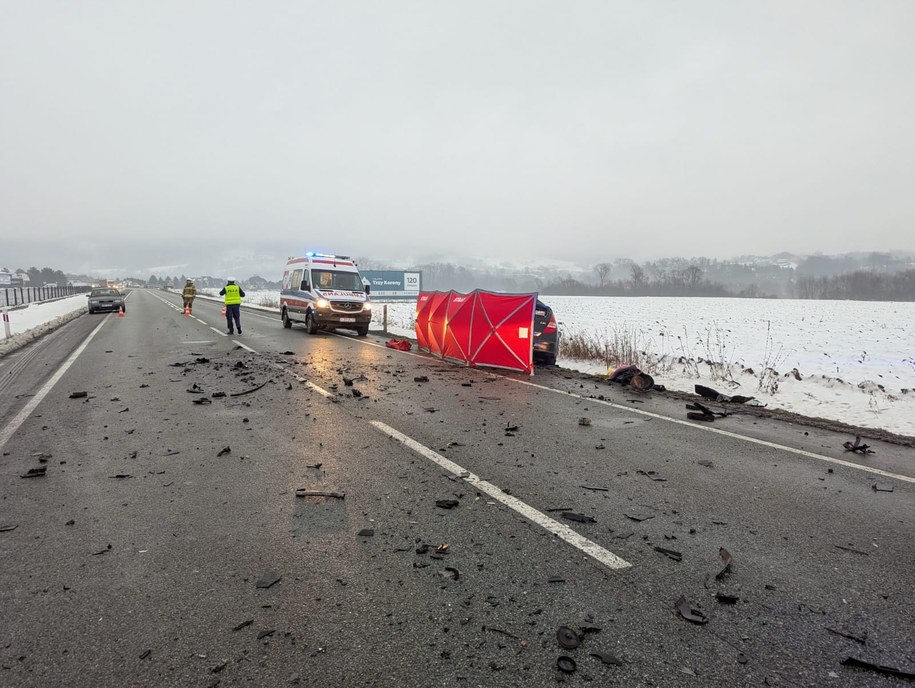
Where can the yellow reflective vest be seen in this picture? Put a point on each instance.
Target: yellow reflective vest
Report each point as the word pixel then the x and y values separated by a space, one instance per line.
pixel 233 294
pixel 189 292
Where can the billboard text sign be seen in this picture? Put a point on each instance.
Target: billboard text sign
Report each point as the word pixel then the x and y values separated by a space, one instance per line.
pixel 393 284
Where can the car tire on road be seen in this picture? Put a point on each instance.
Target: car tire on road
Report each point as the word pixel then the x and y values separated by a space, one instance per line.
pixel 310 325
pixel 362 330
pixel 287 323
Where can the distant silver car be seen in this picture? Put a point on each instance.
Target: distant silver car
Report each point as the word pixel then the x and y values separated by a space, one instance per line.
pixel 106 299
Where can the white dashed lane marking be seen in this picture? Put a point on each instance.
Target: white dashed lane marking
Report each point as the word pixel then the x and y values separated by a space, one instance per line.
pixel 605 557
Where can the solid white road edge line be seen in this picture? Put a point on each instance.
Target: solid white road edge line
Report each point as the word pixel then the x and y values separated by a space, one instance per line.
pixel 243 346
pixel 605 557
pixel 726 433
pixel 14 424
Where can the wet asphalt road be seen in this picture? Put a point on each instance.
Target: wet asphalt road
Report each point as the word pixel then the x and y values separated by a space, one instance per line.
pixel 137 559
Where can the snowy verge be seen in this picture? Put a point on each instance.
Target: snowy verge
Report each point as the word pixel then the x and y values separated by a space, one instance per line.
pixel 36 320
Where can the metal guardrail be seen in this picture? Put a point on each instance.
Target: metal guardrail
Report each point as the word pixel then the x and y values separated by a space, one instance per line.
pixel 20 296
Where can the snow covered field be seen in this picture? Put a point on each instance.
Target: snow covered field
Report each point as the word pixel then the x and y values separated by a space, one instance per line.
pixel 855 360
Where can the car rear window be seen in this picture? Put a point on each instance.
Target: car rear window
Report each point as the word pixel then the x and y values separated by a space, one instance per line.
pixel 105 292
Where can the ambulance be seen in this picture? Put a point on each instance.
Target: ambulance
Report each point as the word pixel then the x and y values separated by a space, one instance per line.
pixel 325 292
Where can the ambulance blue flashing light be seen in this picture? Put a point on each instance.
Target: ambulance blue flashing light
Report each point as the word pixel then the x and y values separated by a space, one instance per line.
pixel 313 254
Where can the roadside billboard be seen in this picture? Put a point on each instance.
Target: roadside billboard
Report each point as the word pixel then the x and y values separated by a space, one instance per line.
pixel 394 284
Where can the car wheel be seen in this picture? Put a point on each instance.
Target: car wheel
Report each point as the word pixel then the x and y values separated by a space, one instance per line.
pixel 287 323
pixel 310 325
pixel 362 330
pixel 91 312
pixel 550 360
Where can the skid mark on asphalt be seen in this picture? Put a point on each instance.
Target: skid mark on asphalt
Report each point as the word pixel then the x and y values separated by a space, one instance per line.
pixel 605 557
pixel 14 424
pixel 725 433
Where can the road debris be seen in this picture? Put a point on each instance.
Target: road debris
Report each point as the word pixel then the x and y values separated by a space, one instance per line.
pixel 638 515
pixel 670 553
pixel 268 579
pixel 652 475
pixel 446 503
pixel 728 560
pixel 253 389
pixel 853 550
pixel 857 446
pixel 302 492
pixel 727 598
pixel 421 378
pixel 243 624
pixel 567 638
pixel 201 400
pixel 851 636
pixel 366 532
pixel 451 572
pixel 224 451
pixel 879 668
pixel 195 389
pixel 584 421
pixel 596 489
pixel 7 528
pixel 102 551
pixel 693 615
pixel 607 658
pixel 579 518
pixel 79 395
pixel 882 487
pixel 705 462
pixel 566 664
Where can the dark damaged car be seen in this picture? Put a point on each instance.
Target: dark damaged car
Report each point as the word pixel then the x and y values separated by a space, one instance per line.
pixel 546 335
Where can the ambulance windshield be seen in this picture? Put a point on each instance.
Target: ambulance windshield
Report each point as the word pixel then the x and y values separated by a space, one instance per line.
pixel 332 279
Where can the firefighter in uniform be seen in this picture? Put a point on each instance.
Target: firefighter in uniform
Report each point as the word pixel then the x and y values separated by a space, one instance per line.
pixel 188 293
pixel 234 294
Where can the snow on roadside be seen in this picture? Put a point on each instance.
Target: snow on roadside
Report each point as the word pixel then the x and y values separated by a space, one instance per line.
pixel 29 323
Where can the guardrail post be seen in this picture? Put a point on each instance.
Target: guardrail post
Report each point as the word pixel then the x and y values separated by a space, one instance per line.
pixel 6 322
pixel 384 321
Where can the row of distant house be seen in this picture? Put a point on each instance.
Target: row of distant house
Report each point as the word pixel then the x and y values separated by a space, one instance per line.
pixel 20 278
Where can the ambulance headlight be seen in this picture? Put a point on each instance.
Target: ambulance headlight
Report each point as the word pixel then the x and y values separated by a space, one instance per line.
pixel 366 306
pixel 322 303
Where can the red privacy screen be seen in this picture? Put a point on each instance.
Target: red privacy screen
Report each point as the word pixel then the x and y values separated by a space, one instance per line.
pixel 480 328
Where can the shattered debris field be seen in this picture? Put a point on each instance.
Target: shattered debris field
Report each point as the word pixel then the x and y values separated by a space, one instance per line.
pixel 182 508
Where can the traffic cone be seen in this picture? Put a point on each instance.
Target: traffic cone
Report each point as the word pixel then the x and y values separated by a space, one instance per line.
pixel 187 310
pixel 121 312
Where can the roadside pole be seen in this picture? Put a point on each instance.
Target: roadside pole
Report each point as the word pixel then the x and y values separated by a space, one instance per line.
pixel 6 323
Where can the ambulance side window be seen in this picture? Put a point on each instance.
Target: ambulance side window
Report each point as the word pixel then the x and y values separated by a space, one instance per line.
pixel 304 284
pixel 296 280
pixel 286 280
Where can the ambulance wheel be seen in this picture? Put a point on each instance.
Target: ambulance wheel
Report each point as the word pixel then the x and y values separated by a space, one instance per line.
pixel 362 330
pixel 287 323
pixel 310 325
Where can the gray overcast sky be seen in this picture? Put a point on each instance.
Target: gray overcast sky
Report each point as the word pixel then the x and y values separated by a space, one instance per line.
pixel 210 136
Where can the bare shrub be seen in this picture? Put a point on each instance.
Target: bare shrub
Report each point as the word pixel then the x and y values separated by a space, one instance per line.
pixel 772 358
pixel 615 347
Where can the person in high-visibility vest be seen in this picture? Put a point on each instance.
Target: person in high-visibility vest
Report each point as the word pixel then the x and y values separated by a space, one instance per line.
pixel 188 293
pixel 234 294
